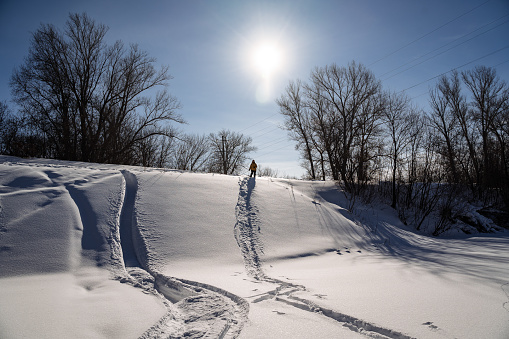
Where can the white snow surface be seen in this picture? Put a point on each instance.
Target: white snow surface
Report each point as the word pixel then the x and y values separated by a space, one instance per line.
pixel 109 251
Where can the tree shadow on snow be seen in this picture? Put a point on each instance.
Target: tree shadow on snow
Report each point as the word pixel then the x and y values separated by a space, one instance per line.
pixel 481 256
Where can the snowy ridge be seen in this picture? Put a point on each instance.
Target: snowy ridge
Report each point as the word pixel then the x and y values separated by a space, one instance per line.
pixel 247 234
pixel 106 251
pixel 194 309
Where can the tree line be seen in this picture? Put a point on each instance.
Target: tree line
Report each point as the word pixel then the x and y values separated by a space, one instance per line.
pixel 348 128
pixel 85 100
pixel 223 152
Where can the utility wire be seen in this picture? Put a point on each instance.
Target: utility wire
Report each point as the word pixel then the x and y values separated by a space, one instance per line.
pixel 447 50
pixel 429 33
pixel 272 144
pixel 269 131
pixel 258 131
pixel 468 63
pixel 503 62
pixel 269 128
pixel 277 149
pixel 256 123
pixel 422 56
pixel 419 95
pixel 273 141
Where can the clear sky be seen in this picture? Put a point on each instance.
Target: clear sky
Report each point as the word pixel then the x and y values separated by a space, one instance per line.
pixel 214 49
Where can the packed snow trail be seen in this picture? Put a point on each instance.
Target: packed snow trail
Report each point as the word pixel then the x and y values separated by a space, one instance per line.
pixel 248 236
pixel 126 220
pixel 196 309
pixel 247 229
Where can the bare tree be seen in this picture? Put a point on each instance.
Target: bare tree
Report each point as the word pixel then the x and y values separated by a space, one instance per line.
pixel 336 121
pixel 192 153
pixel 323 122
pixel 5 123
pixel 348 91
pixel 264 171
pixel 87 98
pixel 501 131
pixel 229 151
pixel 292 107
pixel 337 116
pixel 447 104
pixel 489 99
pixel 398 122
pixel 368 143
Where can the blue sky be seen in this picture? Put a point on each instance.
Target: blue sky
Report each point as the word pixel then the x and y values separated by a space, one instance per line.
pixel 209 45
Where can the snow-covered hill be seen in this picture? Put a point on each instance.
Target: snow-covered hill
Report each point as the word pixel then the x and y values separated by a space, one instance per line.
pixel 107 251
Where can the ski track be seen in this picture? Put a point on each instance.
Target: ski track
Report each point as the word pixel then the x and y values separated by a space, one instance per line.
pixel 247 229
pixel 130 188
pixel 247 233
pixel 194 309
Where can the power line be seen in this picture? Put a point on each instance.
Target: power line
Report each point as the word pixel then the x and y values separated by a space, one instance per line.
pixel 264 129
pixel 270 131
pixel 275 142
pixel 429 33
pixel 468 63
pixel 419 95
pixel 422 56
pixel 277 149
pixel 442 52
pixel 503 62
pixel 256 123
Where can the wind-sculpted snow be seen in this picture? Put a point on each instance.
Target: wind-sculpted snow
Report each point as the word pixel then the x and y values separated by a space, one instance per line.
pixel 248 235
pixel 106 251
pixel 59 223
pixel 92 239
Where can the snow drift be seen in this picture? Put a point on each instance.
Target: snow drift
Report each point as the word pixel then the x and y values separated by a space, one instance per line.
pixel 105 251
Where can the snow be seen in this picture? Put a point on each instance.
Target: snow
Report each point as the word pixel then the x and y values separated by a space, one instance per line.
pixel 108 251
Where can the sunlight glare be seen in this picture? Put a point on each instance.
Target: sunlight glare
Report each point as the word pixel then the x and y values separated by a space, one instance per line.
pixel 266 59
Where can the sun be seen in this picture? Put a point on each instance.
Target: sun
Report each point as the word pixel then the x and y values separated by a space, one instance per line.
pixel 266 58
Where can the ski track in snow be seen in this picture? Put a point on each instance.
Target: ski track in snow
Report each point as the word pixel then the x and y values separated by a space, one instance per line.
pixel 247 229
pixel 247 233
pixel 126 220
pixel 194 309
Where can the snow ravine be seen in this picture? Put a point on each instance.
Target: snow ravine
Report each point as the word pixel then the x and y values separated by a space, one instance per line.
pixel 107 251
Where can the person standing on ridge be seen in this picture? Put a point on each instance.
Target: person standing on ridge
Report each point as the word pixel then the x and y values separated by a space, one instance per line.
pixel 253 169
